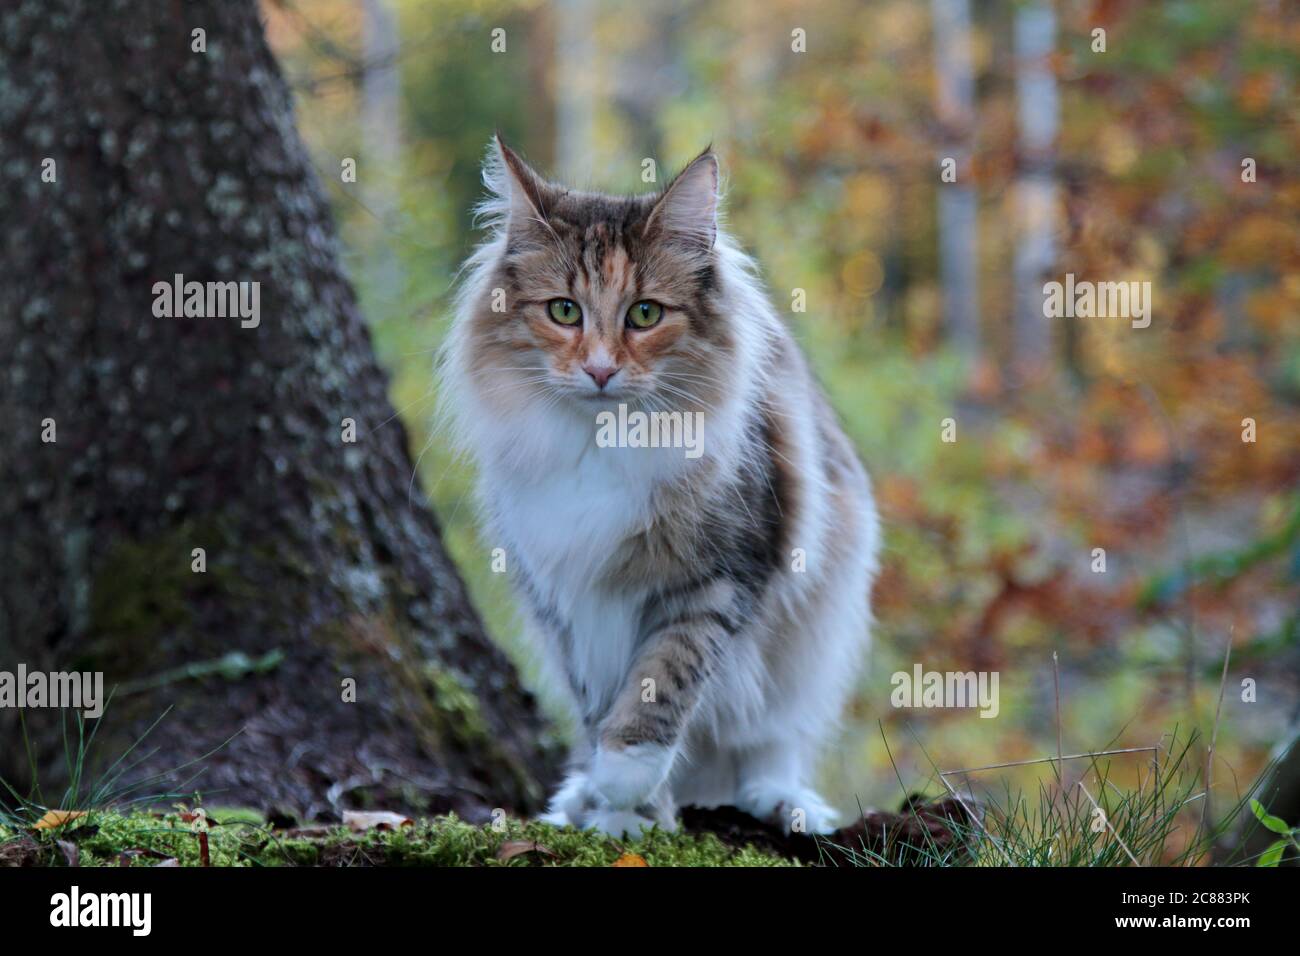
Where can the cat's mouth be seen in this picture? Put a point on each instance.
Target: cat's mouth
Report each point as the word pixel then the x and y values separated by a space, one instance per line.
pixel 606 397
pixel 610 394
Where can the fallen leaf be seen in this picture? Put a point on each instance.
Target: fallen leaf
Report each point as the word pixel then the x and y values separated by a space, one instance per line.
pixel 359 821
pixel 56 818
pixel 513 848
pixel 630 859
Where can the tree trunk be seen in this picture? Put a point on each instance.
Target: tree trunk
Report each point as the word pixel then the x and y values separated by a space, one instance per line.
pixel 958 203
pixel 1038 112
pixel 177 434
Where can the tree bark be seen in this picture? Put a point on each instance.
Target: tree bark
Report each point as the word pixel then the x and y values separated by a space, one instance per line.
pixel 175 434
pixel 1039 117
pixel 958 202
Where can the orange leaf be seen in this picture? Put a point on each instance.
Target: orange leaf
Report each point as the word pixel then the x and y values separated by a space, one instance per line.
pixel 56 818
pixel 630 859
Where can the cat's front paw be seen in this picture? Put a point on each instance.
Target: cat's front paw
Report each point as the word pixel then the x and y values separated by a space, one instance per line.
pixel 629 777
pixel 573 804
pixel 577 803
pixel 792 808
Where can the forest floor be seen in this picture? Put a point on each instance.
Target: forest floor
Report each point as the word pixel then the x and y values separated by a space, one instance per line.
pixel 143 839
pixel 723 837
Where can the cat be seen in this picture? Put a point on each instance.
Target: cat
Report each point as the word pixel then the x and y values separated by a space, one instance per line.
pixel 706 614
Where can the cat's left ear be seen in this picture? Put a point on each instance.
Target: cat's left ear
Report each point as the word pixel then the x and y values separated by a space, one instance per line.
pixel 688 208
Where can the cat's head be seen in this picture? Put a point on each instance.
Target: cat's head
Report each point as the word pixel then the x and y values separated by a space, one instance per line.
pixel 585 300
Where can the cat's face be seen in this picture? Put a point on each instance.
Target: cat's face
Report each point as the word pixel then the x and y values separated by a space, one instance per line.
pixel 606 299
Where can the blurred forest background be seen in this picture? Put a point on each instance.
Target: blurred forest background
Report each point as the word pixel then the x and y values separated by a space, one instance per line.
pixel 924 302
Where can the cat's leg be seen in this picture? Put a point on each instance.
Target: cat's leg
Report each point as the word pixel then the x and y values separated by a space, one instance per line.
pixel 641 736
pixel 772 788
pixel 705 773
pixel 812 681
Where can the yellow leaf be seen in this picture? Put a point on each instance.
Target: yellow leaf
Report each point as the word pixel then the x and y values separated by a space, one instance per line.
pixel 56 818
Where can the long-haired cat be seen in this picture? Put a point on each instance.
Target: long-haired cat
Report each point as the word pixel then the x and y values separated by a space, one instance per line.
pixel 708 612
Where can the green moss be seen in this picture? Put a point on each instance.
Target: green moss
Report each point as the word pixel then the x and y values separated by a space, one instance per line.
pixel 242 840
pixel 139 590
pixel 143 588
pixel 460 718
pixel 446 710
pixel 459 706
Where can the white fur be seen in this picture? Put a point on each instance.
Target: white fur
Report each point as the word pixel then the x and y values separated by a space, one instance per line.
pixel 625 777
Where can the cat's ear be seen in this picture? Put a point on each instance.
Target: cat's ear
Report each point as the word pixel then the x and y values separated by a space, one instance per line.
pixel 522 196
pixel 688 208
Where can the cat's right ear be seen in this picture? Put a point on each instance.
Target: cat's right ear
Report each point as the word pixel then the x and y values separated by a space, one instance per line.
pixel 522 197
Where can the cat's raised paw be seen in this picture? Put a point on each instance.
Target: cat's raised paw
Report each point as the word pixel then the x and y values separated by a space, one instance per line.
pixel 629 777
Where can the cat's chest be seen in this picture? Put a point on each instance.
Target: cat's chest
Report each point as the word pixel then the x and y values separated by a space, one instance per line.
pixel 570 521
pixel 569 527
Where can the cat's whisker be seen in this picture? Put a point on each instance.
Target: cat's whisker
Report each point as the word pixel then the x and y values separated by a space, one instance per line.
pixel 415 472
pixel 675 376
pixel 515 384
pixel 673 389
pixel 687 376
pixel 405 408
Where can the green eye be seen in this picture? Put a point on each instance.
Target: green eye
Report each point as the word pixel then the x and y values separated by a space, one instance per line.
pixel 564 311
pixel 644 314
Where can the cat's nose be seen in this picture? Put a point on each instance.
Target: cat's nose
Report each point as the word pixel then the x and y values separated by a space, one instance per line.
pixel 600 374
